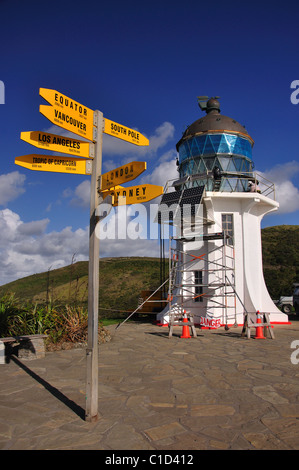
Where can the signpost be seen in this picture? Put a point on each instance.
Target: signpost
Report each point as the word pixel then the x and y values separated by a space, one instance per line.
pixel 57 143
pixel 122 174
pixel 124 133
pixel 77 118
pixel 55 164
pixel 68 113
pixel 91 412
pixel 68 121
pixel 135 194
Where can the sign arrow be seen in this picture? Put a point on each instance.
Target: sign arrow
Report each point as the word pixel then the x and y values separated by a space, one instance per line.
pixel 136 194
pixel 121 174
pixel 68 121
pixel 124 133
pixel 56 164
pixel 58 143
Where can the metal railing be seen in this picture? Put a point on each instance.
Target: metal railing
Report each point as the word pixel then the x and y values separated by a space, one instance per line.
pixel 227 182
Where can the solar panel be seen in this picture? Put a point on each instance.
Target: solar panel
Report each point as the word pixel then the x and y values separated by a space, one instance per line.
pixel 183 201
pixel 193 193
pixel 171 198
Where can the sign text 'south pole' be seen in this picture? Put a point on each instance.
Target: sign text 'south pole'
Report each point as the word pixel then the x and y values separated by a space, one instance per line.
pixel 91 413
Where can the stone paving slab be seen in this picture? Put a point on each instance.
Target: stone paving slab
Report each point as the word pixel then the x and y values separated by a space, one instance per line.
pixel 217 391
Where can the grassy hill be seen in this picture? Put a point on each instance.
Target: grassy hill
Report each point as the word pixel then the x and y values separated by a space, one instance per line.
pixel 121 282
pixel 123 279
pixel 280 245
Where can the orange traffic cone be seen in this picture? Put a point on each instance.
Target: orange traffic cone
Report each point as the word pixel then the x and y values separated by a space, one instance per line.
pixel 259 329
pixel 185 332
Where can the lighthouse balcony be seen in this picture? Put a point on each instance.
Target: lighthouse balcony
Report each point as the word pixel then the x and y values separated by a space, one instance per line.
pixel 225 181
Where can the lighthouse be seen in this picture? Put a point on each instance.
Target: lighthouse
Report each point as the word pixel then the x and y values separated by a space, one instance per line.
pixel 216 206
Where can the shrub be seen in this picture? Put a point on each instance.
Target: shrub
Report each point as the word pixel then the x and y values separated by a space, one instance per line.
pixel 62 324
pixel 71 325
pixel 9 307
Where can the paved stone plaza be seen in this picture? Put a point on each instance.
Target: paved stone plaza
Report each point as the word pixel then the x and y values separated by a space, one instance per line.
pixel 217 391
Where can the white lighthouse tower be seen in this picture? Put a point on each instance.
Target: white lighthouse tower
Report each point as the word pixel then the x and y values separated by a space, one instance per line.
pixel 217 205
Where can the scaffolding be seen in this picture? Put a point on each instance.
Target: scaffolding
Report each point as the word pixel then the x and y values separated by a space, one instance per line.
pixel 201 278
pixel 201 281
pixel 201 274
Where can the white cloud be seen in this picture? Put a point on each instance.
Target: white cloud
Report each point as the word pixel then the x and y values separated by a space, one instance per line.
pixel 108 165
pixel 288 197
pixel 37 227
pixel 81 195
pixel 124 233
pixel 287 194
pixel 25 249
pixel 162 135
pixel 165 171
pixel 11 186
pixel 68 192
pixel 128 247
pixel 9 223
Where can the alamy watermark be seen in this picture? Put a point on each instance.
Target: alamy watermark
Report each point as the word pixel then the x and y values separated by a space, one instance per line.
pixel 2 92
pixel 295 354
pixel 295 100
pixel 140 221
pixel 295 94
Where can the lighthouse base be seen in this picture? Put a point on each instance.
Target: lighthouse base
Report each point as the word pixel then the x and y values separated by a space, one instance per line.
pixel 217 280
pixel 213 322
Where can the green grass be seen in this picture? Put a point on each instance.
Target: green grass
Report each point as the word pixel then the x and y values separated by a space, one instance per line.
pixel 111 321
pixel 123 279
pixel 120 285
pixel 280 246
pixel 31 286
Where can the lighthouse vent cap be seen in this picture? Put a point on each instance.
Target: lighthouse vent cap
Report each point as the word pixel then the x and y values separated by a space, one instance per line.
pixel 213 105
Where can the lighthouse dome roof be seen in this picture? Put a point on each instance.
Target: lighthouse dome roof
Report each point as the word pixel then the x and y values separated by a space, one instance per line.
pixel 214 122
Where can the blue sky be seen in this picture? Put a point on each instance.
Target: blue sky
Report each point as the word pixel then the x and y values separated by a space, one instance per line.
pixel 142 64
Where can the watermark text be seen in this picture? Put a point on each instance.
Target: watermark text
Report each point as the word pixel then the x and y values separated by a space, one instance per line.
pixel 295 94
pixel 295 354
pixel 141 221
pixel 2 92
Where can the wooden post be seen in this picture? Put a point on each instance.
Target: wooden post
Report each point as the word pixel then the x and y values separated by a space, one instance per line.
pixel 91 413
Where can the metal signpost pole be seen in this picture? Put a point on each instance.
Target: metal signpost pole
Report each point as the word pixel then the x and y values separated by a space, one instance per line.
pixel 91 412
pixel 77 118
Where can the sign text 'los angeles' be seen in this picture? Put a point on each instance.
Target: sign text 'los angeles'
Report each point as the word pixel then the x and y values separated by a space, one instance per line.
pixel 59 143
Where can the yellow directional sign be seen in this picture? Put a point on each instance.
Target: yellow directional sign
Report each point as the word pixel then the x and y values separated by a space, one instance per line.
pixel 56 164
pixel 106 192
pixel 67 113
pixel 135 194
pixel 122 174
pixel 124 133
pixel 59 143
pixel 67 121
